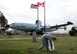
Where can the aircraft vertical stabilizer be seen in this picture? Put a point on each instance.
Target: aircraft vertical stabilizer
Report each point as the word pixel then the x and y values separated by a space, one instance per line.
pixel 39 25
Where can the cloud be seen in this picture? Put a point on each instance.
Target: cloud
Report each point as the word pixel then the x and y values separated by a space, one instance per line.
pixel 57 11
pixel 2 7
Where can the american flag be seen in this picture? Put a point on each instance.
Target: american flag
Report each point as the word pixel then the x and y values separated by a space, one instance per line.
pixel 34 6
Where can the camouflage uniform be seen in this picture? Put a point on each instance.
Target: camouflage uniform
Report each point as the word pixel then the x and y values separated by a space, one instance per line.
pixel 45 39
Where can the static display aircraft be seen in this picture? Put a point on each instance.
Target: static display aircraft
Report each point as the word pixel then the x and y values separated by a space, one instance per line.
pixel 37 27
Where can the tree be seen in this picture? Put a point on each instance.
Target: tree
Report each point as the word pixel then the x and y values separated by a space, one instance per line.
pixel 3 22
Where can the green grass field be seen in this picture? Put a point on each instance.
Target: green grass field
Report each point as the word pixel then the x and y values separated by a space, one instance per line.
pixel 63 45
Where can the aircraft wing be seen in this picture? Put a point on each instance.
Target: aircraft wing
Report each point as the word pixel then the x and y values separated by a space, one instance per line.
pixel 54 28
pixel 62 25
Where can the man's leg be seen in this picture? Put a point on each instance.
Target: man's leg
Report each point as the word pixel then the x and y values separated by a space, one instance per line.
pixel 47 45
pixel 43 44
pixel 50 41
pixel 53 47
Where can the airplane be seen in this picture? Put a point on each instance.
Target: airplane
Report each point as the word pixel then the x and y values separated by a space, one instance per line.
pixel 37 27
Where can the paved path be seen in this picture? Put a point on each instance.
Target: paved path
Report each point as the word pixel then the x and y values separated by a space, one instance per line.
pixel 18 39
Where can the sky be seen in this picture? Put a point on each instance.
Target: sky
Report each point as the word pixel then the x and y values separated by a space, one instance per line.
pixel 57 11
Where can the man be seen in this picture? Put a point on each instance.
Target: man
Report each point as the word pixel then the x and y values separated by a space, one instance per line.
pixel 47 42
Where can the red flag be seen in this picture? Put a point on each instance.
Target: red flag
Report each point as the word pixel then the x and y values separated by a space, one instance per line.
pixel 35 6
pixel 40 4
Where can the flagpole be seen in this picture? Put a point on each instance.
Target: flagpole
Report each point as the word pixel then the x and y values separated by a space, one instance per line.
pixel 44 16
pixel 37 13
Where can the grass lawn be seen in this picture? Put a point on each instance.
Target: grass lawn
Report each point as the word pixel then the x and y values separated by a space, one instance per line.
pixel 63 45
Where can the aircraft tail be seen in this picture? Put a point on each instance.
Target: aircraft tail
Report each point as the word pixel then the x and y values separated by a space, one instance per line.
pixel 39 25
